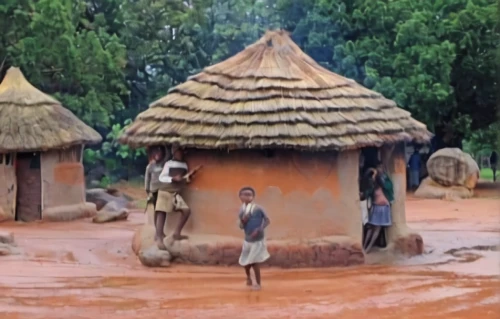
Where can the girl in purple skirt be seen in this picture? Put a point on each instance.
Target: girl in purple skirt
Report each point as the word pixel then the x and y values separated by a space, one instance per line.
pixel 379 215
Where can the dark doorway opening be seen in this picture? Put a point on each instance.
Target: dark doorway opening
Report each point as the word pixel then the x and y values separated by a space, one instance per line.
pixel 29 187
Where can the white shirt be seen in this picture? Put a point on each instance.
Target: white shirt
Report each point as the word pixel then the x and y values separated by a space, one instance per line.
pixel 165 173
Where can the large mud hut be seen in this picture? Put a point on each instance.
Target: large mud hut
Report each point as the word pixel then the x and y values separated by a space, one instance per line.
pixel 272 118
pixel 41 148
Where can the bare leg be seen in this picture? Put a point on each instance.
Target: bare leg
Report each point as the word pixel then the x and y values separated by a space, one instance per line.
pixel 256 270
pixel 180 226
pixel 367 237
pixel 247 272
pixel 376 232
pixel 160 218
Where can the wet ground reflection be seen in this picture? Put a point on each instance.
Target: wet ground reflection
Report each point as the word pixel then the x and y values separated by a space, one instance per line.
pixel 81 270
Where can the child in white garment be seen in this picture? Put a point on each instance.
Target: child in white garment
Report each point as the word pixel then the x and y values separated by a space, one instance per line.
pixel 253 220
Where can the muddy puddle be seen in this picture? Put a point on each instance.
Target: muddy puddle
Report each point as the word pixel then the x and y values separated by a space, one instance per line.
pixel 81 270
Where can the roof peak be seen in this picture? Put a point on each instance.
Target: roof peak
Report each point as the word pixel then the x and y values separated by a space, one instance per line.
pixel 276 39
pixel 15 89
pixel 276 56
pixel 32 120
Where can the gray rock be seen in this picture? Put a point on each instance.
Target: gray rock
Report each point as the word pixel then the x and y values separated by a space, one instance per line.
pixel 6 249
pixel 102 197
pixel 154 257
pixel 107 215
pixel 6 238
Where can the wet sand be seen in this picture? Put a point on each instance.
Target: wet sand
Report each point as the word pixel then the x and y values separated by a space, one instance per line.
pixel 83 270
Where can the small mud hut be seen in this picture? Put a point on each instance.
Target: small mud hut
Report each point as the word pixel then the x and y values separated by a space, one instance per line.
pixel 41 148
pixel 272 118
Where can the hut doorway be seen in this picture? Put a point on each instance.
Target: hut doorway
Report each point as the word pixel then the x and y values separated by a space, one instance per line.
pixel 29 187
pixel 369 158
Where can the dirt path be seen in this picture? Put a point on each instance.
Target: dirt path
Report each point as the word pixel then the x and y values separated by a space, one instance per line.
pixel 81 270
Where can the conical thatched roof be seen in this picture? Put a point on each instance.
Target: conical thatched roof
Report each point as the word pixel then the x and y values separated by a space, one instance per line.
pixel 272 95
pixel 33 121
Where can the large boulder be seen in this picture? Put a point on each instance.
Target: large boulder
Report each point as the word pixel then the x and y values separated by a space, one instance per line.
pixel 430 189
pixel 452 167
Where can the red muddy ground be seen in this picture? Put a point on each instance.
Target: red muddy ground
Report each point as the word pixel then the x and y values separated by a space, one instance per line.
pixel 82 270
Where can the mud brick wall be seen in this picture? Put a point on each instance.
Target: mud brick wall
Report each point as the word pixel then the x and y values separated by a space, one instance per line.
pixel 305 194
pixel 63 179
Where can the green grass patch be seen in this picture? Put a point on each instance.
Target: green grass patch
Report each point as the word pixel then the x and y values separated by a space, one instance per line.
pixel 486 174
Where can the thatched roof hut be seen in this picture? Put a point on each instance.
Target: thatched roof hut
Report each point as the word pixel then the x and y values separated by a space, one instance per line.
pixel 272 95
pixel 41 149
pixel 32 121
pixel 311 123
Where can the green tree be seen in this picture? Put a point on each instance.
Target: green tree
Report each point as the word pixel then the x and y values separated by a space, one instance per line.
pixel 434 58
pixel 107 60
pixel 82 68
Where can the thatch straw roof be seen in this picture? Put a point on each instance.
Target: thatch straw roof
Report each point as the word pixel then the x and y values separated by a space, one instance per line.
pixel 272 95
pixel 33 121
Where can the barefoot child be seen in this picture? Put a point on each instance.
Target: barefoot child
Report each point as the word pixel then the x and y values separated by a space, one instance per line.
pixel 153 170
pixel 174 177
pixel 253 220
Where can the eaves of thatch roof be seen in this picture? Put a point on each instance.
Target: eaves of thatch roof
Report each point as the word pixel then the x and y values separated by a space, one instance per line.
pixel 33 121
pixel 272 95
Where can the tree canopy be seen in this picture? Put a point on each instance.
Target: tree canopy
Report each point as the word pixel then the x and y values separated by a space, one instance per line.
pixel 106 60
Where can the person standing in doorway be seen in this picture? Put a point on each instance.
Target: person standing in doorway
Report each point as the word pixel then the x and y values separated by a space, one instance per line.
pixel 493 164
pixel 414 166
pixel 379 216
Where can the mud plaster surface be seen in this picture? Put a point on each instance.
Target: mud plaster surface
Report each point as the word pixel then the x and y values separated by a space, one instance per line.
pixel 305 195
pixel 63 183
pixel 219 250
pixel 223 250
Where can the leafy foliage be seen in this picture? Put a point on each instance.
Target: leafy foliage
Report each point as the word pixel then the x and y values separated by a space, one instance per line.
pixel 106 60
pixel 81 67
